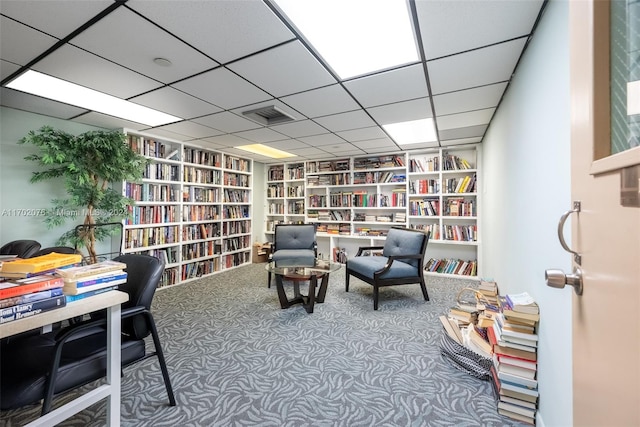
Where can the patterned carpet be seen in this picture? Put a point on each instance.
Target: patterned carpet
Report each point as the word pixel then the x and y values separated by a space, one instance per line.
pixel 237 359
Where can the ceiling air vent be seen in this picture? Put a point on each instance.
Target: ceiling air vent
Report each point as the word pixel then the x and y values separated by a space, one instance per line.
pixel 269 115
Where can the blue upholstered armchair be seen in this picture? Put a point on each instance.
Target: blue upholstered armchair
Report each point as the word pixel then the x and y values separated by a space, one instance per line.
pixel 401 262
pixel 293 244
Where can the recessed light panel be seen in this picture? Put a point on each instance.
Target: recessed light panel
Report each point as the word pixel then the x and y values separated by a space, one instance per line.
pixel 355 37
pixel 265 150
pixel 59 90
pixel 412 132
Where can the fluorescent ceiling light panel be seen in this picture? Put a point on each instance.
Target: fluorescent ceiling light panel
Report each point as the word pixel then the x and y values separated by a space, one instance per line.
pixel 59 90
pixel 413 132
pixel 355 36
pixel 265 150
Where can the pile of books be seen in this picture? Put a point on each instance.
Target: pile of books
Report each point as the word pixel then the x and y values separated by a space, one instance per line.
pixel 88 280
pixel 30 286
pixel 514 338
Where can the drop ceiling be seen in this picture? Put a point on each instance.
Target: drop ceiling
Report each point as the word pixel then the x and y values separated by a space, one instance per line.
pixel 230 56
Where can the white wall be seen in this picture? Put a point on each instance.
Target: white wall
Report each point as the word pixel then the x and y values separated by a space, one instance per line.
pixel 20 201
pixel 526 189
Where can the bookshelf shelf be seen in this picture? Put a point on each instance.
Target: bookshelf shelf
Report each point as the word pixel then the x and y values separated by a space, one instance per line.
pixel 205 194
pixel 357 199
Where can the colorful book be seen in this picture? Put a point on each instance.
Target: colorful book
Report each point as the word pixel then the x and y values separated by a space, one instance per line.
pixel 40 263
pixel 18 287
pixel 97 279
pixel 23 275
pixel 75 273
pixel 72 298
pixel 35 296
pixel 73 290
pixel 27 310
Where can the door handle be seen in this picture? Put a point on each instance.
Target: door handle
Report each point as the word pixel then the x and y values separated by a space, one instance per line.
pixel 557 279
pixel 576 208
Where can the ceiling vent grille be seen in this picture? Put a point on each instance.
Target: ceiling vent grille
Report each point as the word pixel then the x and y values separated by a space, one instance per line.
pixel 269 115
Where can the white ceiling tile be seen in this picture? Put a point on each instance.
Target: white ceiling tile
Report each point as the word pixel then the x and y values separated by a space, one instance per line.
pixel 35 104
pixel 391 86
pixel 175 102
pixel 461 141
pixel 7 68
pixel 469 100
pixel 223 29
pixel 278 70
pixel 354 135
pixel 299 129
pixel 344 150
pixel 150 42
pixel 223 88
pixel 207 143
pixel 20 44
pixel 261 135
pixel 108 122
pixel 471 118
pixel 322 102
pixel 420 145
pixel 368 144
pixel 402 111
pixel 379 150
pixel 227 122
pixel 287 145
pixel 94 72
pixel 449 27
pixel 466 132
pixel 227 140
pixel 56 17
pixel 310 151
pixel 479 67
pixel 319 140
pixel 190 129
pixel 346 121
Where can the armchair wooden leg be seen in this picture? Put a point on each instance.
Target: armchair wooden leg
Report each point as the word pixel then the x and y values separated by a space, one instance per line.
pixel 346 282
pixel 424 291
pixel 376 294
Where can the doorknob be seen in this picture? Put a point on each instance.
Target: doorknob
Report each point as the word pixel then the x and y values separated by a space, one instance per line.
pixel 557 279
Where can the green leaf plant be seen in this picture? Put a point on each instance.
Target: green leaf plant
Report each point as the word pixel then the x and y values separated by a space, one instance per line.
pixel 89 164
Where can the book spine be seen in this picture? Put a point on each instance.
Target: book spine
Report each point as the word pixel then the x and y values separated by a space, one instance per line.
pixel 71 298
pixel 26 310
pixel 36 296
pixel 80 284
pixel 18 290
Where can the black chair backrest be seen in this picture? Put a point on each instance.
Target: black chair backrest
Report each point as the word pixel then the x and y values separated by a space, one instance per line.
pixel 21 248
pixel 143 275
pixel 56 249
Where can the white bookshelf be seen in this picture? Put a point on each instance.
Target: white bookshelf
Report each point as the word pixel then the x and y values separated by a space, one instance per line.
pixel 356 200
pixel 192 208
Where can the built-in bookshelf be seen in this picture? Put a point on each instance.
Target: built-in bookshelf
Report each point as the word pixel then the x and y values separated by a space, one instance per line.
pixel 192 208
pixel 285 200
pixel 355 201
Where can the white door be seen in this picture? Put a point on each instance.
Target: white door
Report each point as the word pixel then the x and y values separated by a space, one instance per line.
pixel 606 319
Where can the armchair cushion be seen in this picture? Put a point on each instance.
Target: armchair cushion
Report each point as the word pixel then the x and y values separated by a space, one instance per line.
pixel 294 256
pixel 367 265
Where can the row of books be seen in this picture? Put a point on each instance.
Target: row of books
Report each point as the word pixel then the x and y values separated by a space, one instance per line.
pixel 48 282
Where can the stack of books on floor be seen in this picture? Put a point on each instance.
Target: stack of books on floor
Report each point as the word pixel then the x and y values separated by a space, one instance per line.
pixel 514 338
pixel 88 280
pixel 30 286
pixel 469 314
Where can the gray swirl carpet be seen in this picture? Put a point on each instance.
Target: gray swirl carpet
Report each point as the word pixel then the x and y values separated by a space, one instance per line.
pixel 237 359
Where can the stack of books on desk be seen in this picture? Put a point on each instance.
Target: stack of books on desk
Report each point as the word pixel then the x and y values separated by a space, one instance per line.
pixel 515 342
pixel 29 286
pixel 88 280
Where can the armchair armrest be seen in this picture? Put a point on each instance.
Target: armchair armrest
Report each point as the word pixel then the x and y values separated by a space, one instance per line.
pixel 390 261
pixel 368 248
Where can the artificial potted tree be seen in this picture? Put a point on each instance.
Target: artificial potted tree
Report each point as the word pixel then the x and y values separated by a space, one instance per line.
pixel 89 164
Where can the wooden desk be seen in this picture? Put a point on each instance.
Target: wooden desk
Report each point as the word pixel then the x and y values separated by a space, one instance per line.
pixel 111 390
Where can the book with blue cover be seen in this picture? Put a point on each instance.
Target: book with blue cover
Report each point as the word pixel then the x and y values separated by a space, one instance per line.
pixel 21 311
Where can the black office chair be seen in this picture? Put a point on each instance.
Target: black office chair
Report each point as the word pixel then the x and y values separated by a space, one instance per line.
pixel 38 367
pixel 20 248
pixel 56 249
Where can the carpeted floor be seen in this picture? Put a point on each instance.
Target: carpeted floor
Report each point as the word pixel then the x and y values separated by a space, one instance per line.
pixel 237 359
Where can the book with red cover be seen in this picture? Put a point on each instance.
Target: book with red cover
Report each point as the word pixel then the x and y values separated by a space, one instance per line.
pixel 14 288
